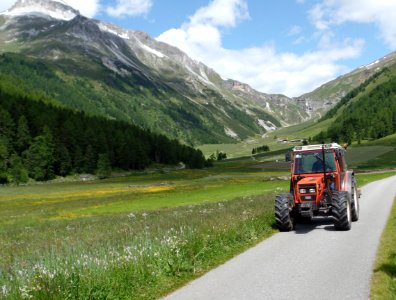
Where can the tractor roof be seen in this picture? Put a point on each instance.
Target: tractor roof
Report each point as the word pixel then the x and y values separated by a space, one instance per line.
pixel 316 147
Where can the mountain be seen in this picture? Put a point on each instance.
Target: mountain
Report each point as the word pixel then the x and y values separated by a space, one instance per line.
pixel 368 112
pixel 329 94
pixel 102 69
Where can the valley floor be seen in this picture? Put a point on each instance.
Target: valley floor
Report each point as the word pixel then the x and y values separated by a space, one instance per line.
pixel 157 229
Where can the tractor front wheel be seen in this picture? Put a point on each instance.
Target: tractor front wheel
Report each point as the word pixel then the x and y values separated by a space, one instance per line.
pixel 341 210
pixel 283 212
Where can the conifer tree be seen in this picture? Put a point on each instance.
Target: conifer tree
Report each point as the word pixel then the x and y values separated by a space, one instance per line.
pixel 17 170
pixel 104 167
pixel 4 156
pixel 90 160
pixel 23 137
pixel 40 157
pixel 65 162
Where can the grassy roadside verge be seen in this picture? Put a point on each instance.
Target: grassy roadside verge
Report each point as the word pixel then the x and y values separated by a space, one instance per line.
pixel 364 178
pixel 383 282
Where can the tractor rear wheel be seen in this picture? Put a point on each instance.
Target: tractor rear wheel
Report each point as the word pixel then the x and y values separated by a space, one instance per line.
pixel 283 212
pixel 355 202
pixel 341 210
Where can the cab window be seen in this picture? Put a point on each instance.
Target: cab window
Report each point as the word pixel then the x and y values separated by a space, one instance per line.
pixel 312 162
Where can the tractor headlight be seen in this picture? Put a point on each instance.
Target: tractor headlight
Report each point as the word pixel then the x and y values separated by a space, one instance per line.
pixel 303 191
pixel 312 191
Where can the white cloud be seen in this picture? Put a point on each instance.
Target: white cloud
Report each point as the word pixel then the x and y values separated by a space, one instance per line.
pixel 294 30
pixel 288 73
pixel 129 8
pixel 263 68
pixel 87 8
pixel 224 13
pixel 382 13
pixel 6 4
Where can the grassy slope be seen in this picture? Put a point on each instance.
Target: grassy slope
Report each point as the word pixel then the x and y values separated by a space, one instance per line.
pixel 383 284
pixel 380 154
pixel 244 148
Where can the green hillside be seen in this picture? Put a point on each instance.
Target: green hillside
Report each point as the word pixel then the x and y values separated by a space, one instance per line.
pixel 336 88
pixel 366 113
pixel 40 140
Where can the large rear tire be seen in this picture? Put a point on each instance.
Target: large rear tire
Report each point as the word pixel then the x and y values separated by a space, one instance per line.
pixel 283 212
pixel 355 206
pixel 341 210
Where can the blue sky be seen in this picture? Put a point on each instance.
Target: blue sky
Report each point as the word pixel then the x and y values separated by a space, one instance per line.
pixel 285 46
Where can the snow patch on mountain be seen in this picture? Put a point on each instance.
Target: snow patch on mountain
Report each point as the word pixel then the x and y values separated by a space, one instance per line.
pixel 153 51
pixel 267 125
pixel 121 34
pixel 230 133
pixel 47 8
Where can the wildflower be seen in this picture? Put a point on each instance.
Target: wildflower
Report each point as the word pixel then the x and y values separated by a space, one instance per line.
pixel 25 292
pixel 5 290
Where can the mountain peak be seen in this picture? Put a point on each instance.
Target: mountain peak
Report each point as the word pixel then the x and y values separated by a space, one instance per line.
pixel 57 9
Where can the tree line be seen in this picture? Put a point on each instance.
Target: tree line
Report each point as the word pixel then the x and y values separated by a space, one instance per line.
pixel 260 149
pixel 372 116
pixel 40 140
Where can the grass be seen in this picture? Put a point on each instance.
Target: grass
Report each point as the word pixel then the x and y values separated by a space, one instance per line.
pixel 364 178
pixel 383 283
pixel 134 255
pixel 133 193
pixel 371 156
pixel 138 236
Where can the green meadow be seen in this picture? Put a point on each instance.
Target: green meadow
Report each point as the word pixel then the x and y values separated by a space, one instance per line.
pixel 139 235
pixel 136 236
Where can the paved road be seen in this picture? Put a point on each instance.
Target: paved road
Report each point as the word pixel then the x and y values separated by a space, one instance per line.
pixel 313 262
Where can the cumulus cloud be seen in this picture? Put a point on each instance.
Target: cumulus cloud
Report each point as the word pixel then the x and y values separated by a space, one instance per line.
pixel 264 68
pixel 221 13
pixel 294 30
pixel 382 13
pixel 6 4
pixel 88 8
pixel 129 8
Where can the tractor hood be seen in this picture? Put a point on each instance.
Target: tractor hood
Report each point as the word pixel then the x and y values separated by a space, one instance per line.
pixel 311 180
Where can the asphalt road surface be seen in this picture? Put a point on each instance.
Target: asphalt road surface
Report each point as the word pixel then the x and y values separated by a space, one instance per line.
pixel 313 262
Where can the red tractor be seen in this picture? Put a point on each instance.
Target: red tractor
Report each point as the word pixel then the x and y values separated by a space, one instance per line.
pixel 320 184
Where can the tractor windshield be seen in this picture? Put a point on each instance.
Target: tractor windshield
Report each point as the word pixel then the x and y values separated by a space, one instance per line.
pixel 312 162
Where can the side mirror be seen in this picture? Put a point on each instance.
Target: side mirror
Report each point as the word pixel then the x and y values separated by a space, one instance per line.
pixel 288 156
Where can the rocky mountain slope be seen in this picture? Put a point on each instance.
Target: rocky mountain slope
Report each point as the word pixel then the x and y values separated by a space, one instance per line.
pixel 329 94
pixel 103 69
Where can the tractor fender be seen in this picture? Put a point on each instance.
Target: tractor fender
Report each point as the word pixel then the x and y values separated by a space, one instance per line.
pixel 347 182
